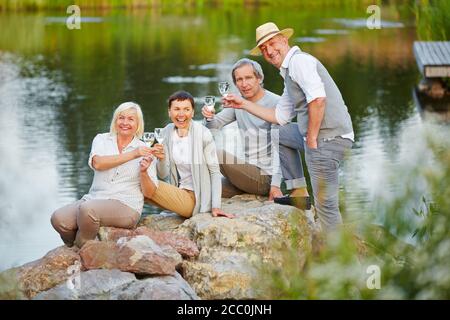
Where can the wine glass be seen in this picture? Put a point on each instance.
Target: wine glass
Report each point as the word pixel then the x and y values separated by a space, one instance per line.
pixel 210 101
pixel 224 88
pixel 159 135
pixel 149 138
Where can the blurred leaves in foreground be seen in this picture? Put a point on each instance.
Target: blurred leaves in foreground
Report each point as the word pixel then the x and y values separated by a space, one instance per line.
pixel 408 247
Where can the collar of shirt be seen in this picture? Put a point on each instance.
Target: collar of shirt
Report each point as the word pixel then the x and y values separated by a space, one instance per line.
pixel 287 59
pixel 133 144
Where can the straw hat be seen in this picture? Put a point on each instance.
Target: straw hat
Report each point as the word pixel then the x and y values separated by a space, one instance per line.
pixel 268 31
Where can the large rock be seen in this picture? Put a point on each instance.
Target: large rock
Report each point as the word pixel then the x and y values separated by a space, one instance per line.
pixel 183 245
pixel 26 281
pixel 140 255
pixel 118 285
pixel 89 285
pixel 165 221
pixel 227 267
pixel 231 250
pixel 157 288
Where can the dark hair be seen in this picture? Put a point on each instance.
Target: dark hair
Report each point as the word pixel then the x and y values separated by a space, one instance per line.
pixel 181 96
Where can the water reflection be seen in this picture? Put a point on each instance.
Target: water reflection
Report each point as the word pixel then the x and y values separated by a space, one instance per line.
pixel 432 109
pixel 331 31
pixel 58 89
pixel 197 79
pixel 81 19
pixel 211 66
pixel 309 39
pixel 29 148
pixel 362 23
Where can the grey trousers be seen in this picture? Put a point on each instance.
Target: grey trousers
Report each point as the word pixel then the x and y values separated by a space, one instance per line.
pixel 323 166
pixel 290 142
pixel 248 178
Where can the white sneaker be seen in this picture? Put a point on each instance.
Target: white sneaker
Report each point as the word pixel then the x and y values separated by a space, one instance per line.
pixel 310 216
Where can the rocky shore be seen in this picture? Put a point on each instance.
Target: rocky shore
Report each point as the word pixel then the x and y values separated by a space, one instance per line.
pixel 168 257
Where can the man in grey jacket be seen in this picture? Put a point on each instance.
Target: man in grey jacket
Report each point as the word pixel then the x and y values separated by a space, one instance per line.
pixel 270 153
pixel 322 116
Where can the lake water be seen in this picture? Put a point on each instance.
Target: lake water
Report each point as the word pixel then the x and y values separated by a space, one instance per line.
pixel 58 88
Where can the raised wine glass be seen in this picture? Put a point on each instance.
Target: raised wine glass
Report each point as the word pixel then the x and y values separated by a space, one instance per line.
pixel 210 101
pixel 224 88
pixel 159 135
pixel 149 138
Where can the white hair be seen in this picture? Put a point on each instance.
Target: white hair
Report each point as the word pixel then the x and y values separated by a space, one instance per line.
pixel 140 117
pixel 257 70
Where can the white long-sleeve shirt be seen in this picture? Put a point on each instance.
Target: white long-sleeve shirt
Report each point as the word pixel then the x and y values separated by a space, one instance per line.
pixel 122 182
pixel 303 71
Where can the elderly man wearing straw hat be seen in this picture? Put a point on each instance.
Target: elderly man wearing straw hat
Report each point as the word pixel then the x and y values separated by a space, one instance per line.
pixel 322 116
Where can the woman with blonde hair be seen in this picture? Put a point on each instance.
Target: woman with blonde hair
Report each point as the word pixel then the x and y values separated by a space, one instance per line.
pixel 115 198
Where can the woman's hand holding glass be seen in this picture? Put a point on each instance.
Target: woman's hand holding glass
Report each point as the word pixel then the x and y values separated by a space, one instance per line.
pixel 207 112
pixel 158 151
pixel 143 152
pixel 149 138
pixel 210 101
pixel 147 151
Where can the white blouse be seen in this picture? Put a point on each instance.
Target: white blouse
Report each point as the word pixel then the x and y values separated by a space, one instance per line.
pixel 181 154
pixel 122 182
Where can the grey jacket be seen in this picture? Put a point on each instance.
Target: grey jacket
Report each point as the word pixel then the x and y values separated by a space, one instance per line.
pixel 205 170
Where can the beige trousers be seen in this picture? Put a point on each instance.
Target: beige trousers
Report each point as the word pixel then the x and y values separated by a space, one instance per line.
pixel 80 221
pixel 246 178
pixel 169 197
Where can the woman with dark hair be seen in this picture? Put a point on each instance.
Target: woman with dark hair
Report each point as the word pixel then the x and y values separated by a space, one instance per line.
pixel 190 165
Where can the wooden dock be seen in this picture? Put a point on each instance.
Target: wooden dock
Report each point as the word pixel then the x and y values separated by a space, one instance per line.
pixel 433 58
